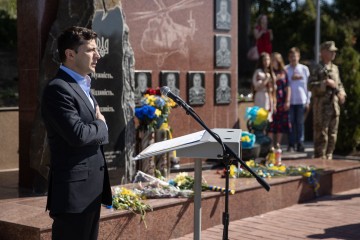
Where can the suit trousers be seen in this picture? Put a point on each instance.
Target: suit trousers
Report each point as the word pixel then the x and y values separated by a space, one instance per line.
pixel 76 226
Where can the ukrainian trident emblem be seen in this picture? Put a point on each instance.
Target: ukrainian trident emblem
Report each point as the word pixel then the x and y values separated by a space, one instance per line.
pixel 103 46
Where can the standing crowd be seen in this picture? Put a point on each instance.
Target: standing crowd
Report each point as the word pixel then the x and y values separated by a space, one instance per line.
pixel 287 91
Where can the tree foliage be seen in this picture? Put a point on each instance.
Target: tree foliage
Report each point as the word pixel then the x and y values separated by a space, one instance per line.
pixel 7 31
pixel 8 34
pixel 349 126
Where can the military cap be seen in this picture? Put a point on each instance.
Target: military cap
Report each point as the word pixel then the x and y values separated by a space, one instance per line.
pixel 329 45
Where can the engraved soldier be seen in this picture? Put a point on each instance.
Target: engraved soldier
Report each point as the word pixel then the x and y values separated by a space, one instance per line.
pixel 197 91
pixel 223 54
pixel 142 85
pixel 328 93
pixel 223 17
pixel 223 91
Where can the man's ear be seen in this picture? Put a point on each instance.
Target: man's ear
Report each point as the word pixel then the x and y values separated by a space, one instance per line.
pixel 70 54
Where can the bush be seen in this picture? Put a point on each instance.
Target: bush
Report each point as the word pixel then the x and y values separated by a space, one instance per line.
pixel 8 34
pixel 349 127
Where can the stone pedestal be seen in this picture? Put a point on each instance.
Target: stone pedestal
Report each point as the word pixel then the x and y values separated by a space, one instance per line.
pixel 25 218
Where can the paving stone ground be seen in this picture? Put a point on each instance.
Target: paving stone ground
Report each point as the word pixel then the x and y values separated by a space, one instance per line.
pixel 329 217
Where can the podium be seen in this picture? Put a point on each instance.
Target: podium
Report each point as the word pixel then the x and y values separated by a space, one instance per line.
pixel 197 145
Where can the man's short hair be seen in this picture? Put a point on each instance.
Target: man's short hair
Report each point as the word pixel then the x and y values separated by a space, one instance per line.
pixel 197 75
pixel 294 50
pixel 72 38
pixel 142 74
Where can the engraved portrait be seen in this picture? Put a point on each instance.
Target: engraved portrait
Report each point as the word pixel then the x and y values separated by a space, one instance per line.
pixel 196 88
pixel 223 51
pixel 222 88
pixel 142 83
pixel 171 80
pixel 223 14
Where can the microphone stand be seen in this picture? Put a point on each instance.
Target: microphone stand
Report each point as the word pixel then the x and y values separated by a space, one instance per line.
pixel 226 156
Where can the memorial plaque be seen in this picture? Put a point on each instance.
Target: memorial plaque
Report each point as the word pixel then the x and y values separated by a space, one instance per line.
pixel 196 88
pixel 222 88
pixel 171 79
pixel 223 15
pixel 222 51
pixel 111 86
pixel 142 83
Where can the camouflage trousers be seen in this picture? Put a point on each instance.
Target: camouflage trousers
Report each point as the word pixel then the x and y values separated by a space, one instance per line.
pixel 326 122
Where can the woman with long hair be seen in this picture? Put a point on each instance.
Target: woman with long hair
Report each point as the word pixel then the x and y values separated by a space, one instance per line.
pixel 264 85
pixel 280 123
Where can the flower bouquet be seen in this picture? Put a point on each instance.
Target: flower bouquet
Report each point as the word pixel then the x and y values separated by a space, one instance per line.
pixel 153 187
pixel 154 109
pixel 270 170
pixel 181 186
pixel 126 199
pixel 186 182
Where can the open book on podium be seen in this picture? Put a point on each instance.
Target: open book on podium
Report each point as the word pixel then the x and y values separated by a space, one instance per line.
pixel 196 145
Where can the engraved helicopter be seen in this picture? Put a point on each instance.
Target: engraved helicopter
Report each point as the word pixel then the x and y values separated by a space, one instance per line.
pixel 163 37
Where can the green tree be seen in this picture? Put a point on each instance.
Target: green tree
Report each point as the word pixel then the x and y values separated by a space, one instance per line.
pixel 9 6
pixel 344 16
pixel 349 127
pixel 8 34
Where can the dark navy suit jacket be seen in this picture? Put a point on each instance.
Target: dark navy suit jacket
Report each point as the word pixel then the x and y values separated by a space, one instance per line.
pixel 78 180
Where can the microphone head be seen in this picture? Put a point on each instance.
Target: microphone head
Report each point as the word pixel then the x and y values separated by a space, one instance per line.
pixel 165 90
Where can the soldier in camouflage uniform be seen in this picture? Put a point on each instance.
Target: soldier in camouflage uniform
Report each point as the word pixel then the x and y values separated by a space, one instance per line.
pixel 327 93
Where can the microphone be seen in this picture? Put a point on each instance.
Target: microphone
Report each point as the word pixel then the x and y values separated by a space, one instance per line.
pixel 167 92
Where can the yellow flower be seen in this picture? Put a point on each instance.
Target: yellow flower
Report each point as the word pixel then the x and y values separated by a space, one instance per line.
pixel 157 112
pixel 128 192
pixel 151 100
pixel 180 178
pixel 307 174
pixel 250 163
pixel 170 103
pixel 232 171
pixel 245 139
pixel 282 168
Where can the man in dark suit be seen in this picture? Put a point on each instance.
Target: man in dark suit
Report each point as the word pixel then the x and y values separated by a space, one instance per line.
pixel 76 131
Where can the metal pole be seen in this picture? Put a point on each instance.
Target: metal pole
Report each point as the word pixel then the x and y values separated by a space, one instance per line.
pixel 317 32
pixel 197 199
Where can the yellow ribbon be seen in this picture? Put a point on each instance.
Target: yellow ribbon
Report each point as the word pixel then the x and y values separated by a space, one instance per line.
pixel 165 126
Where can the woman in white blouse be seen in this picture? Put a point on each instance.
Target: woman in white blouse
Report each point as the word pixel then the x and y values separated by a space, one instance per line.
pixel 264 85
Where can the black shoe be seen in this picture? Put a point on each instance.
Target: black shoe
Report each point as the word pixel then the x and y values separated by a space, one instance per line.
pixel 300 148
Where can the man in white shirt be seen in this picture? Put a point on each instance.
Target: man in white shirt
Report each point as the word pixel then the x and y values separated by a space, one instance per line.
pixel 298 75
